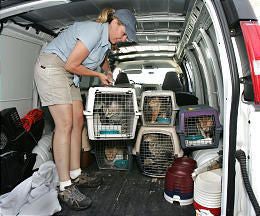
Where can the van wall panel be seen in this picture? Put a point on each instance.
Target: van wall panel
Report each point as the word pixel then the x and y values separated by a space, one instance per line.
pixel 17 59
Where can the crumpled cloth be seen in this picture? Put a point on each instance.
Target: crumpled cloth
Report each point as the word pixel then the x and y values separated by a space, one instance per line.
pixel 36 195
pixel 31 117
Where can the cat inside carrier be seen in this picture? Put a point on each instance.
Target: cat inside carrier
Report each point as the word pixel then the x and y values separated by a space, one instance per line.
pixel 111 113
pixel 113 154
pixel 158 108
pixel 199 127
pixel 156 149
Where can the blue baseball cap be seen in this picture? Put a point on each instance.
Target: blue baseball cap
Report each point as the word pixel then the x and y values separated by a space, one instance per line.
pixel 128 19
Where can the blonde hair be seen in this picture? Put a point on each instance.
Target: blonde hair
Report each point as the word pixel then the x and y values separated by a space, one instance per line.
pixel 106 15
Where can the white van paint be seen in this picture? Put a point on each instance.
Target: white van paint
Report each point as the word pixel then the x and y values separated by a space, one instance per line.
pixel 18 53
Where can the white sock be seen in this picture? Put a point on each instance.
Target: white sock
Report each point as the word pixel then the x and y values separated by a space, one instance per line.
pixel 64 184
pixel 75 173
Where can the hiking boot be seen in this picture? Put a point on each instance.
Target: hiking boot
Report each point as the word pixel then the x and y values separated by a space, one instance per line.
pixel 84 180
pixel 73 198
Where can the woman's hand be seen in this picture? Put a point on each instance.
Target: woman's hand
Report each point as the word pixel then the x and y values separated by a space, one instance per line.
pixel 110 76
pixel 105 80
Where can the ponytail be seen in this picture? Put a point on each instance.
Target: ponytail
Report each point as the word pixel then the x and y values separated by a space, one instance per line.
pixel 106 15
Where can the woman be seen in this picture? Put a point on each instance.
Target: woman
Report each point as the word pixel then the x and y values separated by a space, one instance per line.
pixel 79 50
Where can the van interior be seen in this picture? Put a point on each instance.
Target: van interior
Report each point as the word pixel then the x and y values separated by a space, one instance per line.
pixel 183 96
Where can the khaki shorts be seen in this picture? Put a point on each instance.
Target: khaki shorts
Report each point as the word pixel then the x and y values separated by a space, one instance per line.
pixel 54 83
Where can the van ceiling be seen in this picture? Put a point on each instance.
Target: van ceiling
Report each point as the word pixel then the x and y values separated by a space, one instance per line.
pixel 159 28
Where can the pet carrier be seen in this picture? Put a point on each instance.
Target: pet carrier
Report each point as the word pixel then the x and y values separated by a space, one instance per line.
pixel 113 154
pixel 15 167
pixel 18 138
pixel 12 123
pixel 198 127
pixel 150 87
pixel 3 140
pixel 158 108
pixel 156 148
pixel 112 113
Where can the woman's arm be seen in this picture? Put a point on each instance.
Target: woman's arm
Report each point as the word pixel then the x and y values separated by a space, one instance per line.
pixel 74 63
pixel 106 68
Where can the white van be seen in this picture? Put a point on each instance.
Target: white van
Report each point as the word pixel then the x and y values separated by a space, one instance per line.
pixel 213 46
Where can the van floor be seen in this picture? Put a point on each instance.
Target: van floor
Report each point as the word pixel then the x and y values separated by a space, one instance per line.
pixel 128 193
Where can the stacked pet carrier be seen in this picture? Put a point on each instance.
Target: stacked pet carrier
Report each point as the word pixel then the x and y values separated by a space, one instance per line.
pixel 158 108
pixel 198 127
pixel 150 87
pixel 157 143
pixel 112 115
pixel 16 157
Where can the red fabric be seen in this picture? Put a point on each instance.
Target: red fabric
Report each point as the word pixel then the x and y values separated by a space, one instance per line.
pixel 31 117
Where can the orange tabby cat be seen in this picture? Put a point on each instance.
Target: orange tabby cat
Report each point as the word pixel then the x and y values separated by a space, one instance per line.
pixel 205 125
pixel 110 153
pixel 155 104
pixel 152 143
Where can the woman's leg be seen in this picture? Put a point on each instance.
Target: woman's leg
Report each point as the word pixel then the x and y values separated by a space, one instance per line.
pixel 62 116
pixel 69 194
pixel 76 135
pixel 79 178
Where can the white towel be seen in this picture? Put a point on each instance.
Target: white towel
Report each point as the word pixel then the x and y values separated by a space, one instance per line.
pixel 36 195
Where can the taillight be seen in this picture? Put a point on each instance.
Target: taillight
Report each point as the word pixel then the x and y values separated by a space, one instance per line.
pixel 251 33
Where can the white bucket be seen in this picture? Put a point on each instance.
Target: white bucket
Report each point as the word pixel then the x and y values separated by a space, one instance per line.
pixel 203 156
pixel 207 189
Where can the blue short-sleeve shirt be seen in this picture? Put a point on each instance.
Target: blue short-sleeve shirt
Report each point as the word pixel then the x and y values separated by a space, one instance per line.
pixel 93 35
